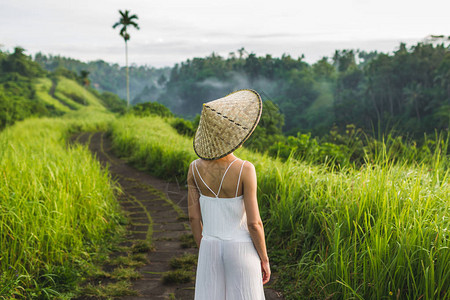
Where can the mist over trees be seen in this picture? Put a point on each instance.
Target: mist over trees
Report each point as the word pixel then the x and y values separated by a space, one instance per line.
pixel 408 90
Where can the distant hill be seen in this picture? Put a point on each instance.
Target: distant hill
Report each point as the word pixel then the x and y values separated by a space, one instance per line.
pixel 27 90
pixel 146 83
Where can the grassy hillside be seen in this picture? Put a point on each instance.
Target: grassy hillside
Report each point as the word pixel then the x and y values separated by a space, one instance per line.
pixel 22 98
pixel 70 90
pixel 43 87
pixel 65 94
pixel 377 232
pixel 26 90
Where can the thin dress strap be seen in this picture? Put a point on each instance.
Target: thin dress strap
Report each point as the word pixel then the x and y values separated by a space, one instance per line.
pixel 218 192
pixel 239 179
pixel 217 195
pixel 195 179
pixel 195 163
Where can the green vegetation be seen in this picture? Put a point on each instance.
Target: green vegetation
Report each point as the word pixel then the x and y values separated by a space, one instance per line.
pixel 183 272
pixel 57 206
pixel 187 241
pixel 346 215
pixel 122 273
pixel 404 93
pixel 43 87
pixel 146 82
pixel 177 276
pixel 377 92
pixel 17 92
pixel 111 101
pixel 366 233
pixel 59 215
pixel 151 108
pixel 26 90
pixel 184 127
pixel 135 260
pixel 155 147
pixel 111 290
pixel 186 261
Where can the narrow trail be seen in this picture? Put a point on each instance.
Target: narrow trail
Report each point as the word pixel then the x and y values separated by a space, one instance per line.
pixel 157 212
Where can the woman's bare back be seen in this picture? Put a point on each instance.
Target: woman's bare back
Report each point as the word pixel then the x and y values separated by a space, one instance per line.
pixel 212 173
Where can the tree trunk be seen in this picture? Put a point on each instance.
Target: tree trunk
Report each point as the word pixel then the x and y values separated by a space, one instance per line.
pixel 128 81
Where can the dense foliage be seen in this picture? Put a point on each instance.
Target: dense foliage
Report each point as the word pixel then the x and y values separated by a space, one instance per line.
pixel 151 108
pixel 111 101
pixel 408 90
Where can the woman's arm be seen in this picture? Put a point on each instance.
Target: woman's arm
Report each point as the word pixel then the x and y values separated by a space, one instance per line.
pixel 195 216
pixel 255 225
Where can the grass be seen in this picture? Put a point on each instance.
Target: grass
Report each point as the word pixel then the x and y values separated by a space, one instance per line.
pixel 135 260
pixel 43 87
pixel 171 153
pixel 58 211
pixel 183 269
pixel 186 262
pixel 57 206
pixel 141 247
pixel 367 233
pixel 122 273
pixel 110 290
pixel 177 276
pixel 188 241
pixel 76 94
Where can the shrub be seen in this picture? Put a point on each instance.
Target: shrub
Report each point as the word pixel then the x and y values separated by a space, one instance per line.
pixel 183 127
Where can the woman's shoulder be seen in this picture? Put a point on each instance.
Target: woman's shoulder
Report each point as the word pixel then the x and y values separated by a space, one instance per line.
pixel 194 161
pixel 192 164
pixel 248 166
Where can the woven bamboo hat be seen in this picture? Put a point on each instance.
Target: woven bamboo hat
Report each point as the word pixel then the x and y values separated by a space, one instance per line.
pixel 226 123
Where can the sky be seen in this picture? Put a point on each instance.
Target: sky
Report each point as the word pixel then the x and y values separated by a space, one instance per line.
pixel 173 31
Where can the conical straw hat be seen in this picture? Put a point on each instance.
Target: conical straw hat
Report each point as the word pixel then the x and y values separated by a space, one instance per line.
pixel 226 123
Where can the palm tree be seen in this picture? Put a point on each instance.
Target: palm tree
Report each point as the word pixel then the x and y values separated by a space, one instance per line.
pixel 126 20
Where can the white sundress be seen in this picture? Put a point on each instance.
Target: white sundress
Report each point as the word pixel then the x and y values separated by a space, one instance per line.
pixel 228 266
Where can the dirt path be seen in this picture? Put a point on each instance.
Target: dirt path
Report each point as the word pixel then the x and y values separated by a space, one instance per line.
pixel 157 211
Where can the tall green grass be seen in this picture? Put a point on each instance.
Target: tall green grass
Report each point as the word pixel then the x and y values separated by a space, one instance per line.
pixel 152 144
pixel 57 206
pixel 378 232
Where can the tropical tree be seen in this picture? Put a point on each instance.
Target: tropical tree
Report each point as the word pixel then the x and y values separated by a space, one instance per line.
pixel 125 21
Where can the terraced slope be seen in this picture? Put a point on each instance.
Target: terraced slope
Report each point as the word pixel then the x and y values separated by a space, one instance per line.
pixel 65 95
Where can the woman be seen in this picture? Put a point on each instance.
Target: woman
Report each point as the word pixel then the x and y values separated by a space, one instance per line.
pixel 223 209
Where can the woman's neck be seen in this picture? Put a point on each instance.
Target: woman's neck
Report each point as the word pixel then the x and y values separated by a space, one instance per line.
pixel 224 160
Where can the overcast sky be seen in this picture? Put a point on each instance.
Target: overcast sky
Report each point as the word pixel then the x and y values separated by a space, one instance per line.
pixel 173 31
